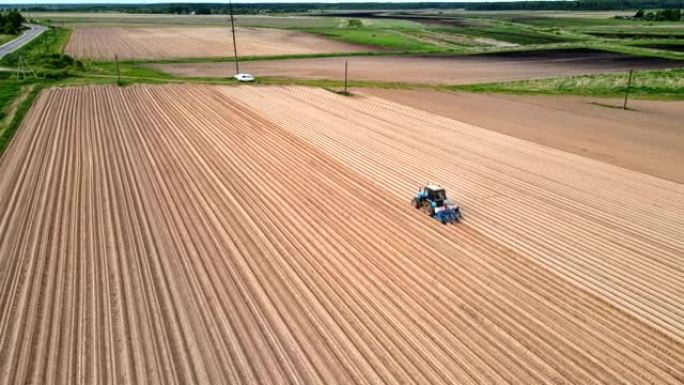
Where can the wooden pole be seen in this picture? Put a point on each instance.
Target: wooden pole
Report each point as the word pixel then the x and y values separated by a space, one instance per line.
pixel 346 68
pixel 629 84
pixel 232 26
pixel 118 73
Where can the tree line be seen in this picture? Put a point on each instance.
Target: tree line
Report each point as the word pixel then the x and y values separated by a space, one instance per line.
pixel 255 8
pixel 593 5
pixel 661 15
pixel 10 22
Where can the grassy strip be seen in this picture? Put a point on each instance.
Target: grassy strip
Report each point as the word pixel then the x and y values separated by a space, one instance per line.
pixel 5 38
pixel 514 35
pixel 372 37
pixel 635 50
pixel 125 69
pixel 663 84
pixel 7 134
pixel 9 89
pixel 86 79
pixel 339 84
pixel 567 22
pixel 252 58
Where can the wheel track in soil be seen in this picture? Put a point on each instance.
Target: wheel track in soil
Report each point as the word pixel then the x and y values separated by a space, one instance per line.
pixel 139 245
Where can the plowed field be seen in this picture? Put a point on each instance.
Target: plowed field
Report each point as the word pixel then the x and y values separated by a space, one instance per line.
pixel 648 138
pixel 187 42
pixel 193 234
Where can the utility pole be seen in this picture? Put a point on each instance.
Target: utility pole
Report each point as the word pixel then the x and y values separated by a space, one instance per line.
pixel 232 26
pixel 346 66
pixel 118 74
pixel 629 84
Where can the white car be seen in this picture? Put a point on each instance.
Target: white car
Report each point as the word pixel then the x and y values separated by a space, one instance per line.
pixel 244 77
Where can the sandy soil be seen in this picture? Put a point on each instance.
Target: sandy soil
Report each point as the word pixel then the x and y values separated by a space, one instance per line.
pixel 182 42
pixel 649 138
pixel 138 245
pixel 434 70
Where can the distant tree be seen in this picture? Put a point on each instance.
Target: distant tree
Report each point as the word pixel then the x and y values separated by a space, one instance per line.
pixel 200 9
pixel 15 18
pixel 354 23
pixel 10 22
pixel 259 6
pixel 673 14
pixel 639 14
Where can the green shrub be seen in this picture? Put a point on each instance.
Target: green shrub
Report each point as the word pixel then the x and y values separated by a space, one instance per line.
pixel 354 23
pixel 54 74
pixel 59 61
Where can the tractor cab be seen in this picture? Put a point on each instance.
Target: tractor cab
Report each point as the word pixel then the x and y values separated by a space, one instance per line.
pixel 435 194
pixel 432 199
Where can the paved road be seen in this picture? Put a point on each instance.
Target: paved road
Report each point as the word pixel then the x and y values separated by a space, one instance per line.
pixel 28 35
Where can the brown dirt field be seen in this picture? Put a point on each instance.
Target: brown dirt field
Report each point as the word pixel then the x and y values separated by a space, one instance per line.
pixel 189 42
pixel 649 138
pixel 196 234
pixel 434 70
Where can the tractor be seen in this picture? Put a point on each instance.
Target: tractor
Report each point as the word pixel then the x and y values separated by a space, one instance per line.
pixel 433 201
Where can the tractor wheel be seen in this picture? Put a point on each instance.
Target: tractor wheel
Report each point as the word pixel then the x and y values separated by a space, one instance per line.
pixel 415 203
pixel 428 209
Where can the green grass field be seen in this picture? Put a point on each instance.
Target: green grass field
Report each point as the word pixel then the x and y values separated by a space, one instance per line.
pixel 666 84
pixel 5 38
pixel 9 90
pixel 396 40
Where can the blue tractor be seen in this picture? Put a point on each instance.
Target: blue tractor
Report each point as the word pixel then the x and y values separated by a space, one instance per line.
pixel 433 201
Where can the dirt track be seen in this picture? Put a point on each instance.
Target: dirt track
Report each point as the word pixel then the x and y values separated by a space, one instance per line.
pixel 435 70
pixel 188 42
pixel 162 235
pixel 647 138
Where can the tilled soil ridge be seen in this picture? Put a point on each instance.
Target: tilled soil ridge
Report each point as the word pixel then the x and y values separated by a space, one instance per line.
pixel 192 234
